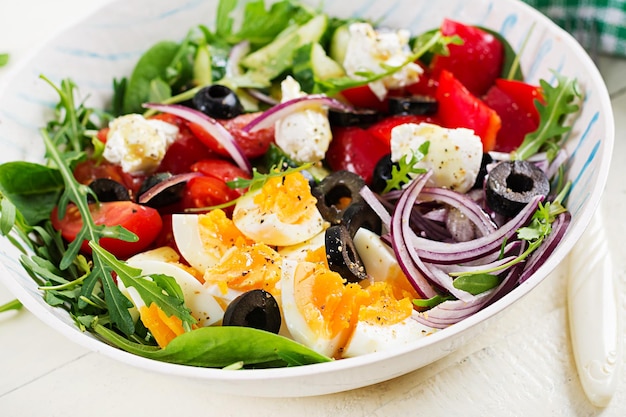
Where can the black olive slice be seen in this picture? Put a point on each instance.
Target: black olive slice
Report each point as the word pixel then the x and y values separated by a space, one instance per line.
pixel 342 255
pixel 418 105
pixel 361 214
pixel 107 189
pixel 256 308
pixel 336 192
pixel 218 101
pixel 358 117
pixel 382 173
pixel 168 196
pixel 482 172
pixel 512 184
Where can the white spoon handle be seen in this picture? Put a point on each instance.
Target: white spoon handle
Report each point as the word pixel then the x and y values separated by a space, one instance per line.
pixel 593 314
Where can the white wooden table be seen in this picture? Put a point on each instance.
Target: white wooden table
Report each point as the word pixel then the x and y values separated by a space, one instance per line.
pixel 520 366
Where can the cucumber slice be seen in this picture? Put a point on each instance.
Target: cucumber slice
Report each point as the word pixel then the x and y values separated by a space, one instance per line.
pixel 311 64
pixel 339 43
pixel 275 57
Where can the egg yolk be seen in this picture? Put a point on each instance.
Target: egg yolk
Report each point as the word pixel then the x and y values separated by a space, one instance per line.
pixel 328 305
pixel 382 307
pixel 218 233
pixel 288 197
pixel 252 267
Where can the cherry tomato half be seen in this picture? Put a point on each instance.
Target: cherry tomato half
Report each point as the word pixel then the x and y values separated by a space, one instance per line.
pixel 252 144
pixel 186 150
pixel 207 192
pixel 382 129
pixel 143 221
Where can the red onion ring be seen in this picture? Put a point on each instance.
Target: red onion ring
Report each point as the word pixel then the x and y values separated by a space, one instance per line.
pixel 278 112
pixel 211 126
pixel 163 185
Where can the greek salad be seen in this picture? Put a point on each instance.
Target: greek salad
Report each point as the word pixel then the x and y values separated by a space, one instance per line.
pixel 290 188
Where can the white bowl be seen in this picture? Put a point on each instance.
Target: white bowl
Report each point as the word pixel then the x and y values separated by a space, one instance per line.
pixel 108 43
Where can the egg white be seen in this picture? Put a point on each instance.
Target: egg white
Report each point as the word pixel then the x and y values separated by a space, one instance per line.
pixel 200 302
pixel 187 237
pixel 299 252
pixel 369 338
pixel 294 320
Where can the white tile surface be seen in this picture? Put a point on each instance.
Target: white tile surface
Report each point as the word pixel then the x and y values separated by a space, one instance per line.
pixel 520 366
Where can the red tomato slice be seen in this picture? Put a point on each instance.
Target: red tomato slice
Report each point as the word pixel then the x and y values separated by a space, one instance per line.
pixel 89 170
pixel 356 150
pixel 186 150
pixel 363 96
pixel 460 108
pixel 524 95
pixel 206 192
pixel 222 170
pixel 143 221
pixel 477 63
pixel 382 129
pixel 516 120
pixel 252 145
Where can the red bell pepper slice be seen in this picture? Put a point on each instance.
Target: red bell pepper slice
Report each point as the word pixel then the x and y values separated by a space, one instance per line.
pixel 476 63
pixel 458 107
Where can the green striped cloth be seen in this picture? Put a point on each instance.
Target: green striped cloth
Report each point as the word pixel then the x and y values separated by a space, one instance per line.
pixel 583 18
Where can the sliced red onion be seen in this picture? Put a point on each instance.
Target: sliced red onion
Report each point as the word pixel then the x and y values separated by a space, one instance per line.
pixel 211 126
pixel 560 159
pixel 262 97
pixel 464 204
pixel 399 222
pixel 372 200
pixel 460 252
pixel 235 56
pixel 539 256
pixel 164 185
pixel 278 112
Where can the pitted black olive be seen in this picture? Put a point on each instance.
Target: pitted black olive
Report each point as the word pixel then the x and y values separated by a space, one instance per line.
pixel 342 255
pixel 256 308
pixel 336 192
pixel 358 117
pixel 417 105
pixel 382 173
pixel 218 101
pixel 482 172
pixel 361 214
pixel 512 184
pixel 168 196
pixel 107 189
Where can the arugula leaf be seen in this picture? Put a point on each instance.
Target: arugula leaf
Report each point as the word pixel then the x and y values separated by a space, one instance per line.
pixel 561 100
pixel 405 170
pixel 162 290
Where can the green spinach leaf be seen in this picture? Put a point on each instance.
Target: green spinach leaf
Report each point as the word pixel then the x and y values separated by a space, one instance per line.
pixel 222 346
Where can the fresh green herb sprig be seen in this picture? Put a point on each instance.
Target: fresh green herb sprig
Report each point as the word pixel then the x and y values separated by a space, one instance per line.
pixel 560 101
pixel 4 59
pixel 11 305
pixel 406 169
